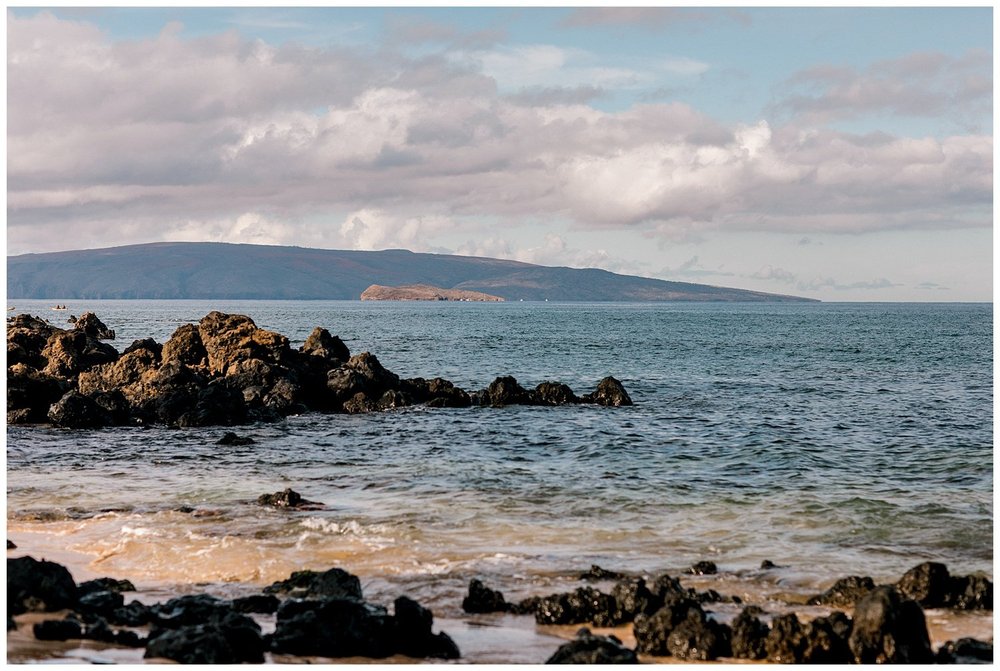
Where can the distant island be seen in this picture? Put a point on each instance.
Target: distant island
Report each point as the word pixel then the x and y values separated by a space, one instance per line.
pixel 425 292
pixel 222 271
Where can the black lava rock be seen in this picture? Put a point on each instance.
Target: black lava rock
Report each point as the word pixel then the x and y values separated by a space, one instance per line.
pixel 333 628
pixel 699 639
pixel 703 568
pixel 653 631
pixel 597 573
pixel 57 630
pixel 256 603
pixel 845 592
pixel 827 640
pixel 102 603
pixel 221 637
pixel 105 584
pixel 585 604
pixel 135 614
pixel 587 648
pixel 965 651
pixel 189 610
pixel 230 438
pixel 413 635
pixel 889 629
pixel 786 641
pixel 197 644
pixel 288 498
pixel 632 598
pixel 482 599
pixel 34 585
pixel 928 584
pixel 748 636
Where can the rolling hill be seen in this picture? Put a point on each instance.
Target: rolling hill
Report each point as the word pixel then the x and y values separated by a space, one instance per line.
pixel 209 270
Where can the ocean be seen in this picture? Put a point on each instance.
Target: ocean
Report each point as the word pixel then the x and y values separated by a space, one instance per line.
pixel 832 439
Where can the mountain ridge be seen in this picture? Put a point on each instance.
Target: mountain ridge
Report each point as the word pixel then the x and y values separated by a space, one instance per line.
pixel 217 270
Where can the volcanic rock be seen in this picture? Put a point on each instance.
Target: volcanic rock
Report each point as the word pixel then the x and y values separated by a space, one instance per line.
pixel 587 648
pixel 34 585
pixel 889 629
pixel 845 592
pixel 482 599
pixel 89 323
pixel 609 392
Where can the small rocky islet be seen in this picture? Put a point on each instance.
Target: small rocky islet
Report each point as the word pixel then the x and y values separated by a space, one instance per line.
pixel 325 614
pixel 225 371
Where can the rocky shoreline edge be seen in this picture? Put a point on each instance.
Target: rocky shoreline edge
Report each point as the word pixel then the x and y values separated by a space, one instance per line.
pixel 225 371
pixel 325 614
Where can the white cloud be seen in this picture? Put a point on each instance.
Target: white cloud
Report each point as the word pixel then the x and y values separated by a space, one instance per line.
pixel 123 140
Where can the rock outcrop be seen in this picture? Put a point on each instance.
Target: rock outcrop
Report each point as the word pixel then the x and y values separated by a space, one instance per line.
pixel 225 371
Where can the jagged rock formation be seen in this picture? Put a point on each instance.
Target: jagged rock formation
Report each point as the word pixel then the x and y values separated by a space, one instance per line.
pixel 225 371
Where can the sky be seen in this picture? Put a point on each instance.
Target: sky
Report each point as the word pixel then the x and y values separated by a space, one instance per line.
pixel 844 154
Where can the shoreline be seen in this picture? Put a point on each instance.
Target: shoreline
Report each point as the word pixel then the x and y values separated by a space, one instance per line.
pixel 481 637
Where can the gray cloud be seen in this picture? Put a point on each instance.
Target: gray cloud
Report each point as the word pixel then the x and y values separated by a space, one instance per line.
pixel 925 84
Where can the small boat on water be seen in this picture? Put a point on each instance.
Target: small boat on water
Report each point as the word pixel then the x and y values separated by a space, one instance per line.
pixel 58 307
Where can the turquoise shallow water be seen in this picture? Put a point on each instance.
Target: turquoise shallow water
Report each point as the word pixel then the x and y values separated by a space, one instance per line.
pixel 832 439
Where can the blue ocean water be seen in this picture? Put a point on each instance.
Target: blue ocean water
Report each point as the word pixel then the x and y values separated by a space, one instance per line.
pixel 832 439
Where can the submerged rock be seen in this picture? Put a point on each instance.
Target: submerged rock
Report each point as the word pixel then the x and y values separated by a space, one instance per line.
pixel 597 573
pixel 230 438
pixel 609 392
pixel 482 599
pixel 703 567
pixel 287 498
pixel 587 648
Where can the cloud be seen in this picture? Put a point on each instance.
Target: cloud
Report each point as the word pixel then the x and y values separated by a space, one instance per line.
pixel 553 251
pixel 772 273
pixel 932 286
pixel 692 268
pixel 140 140
pixel 643 17
pixel 923 84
